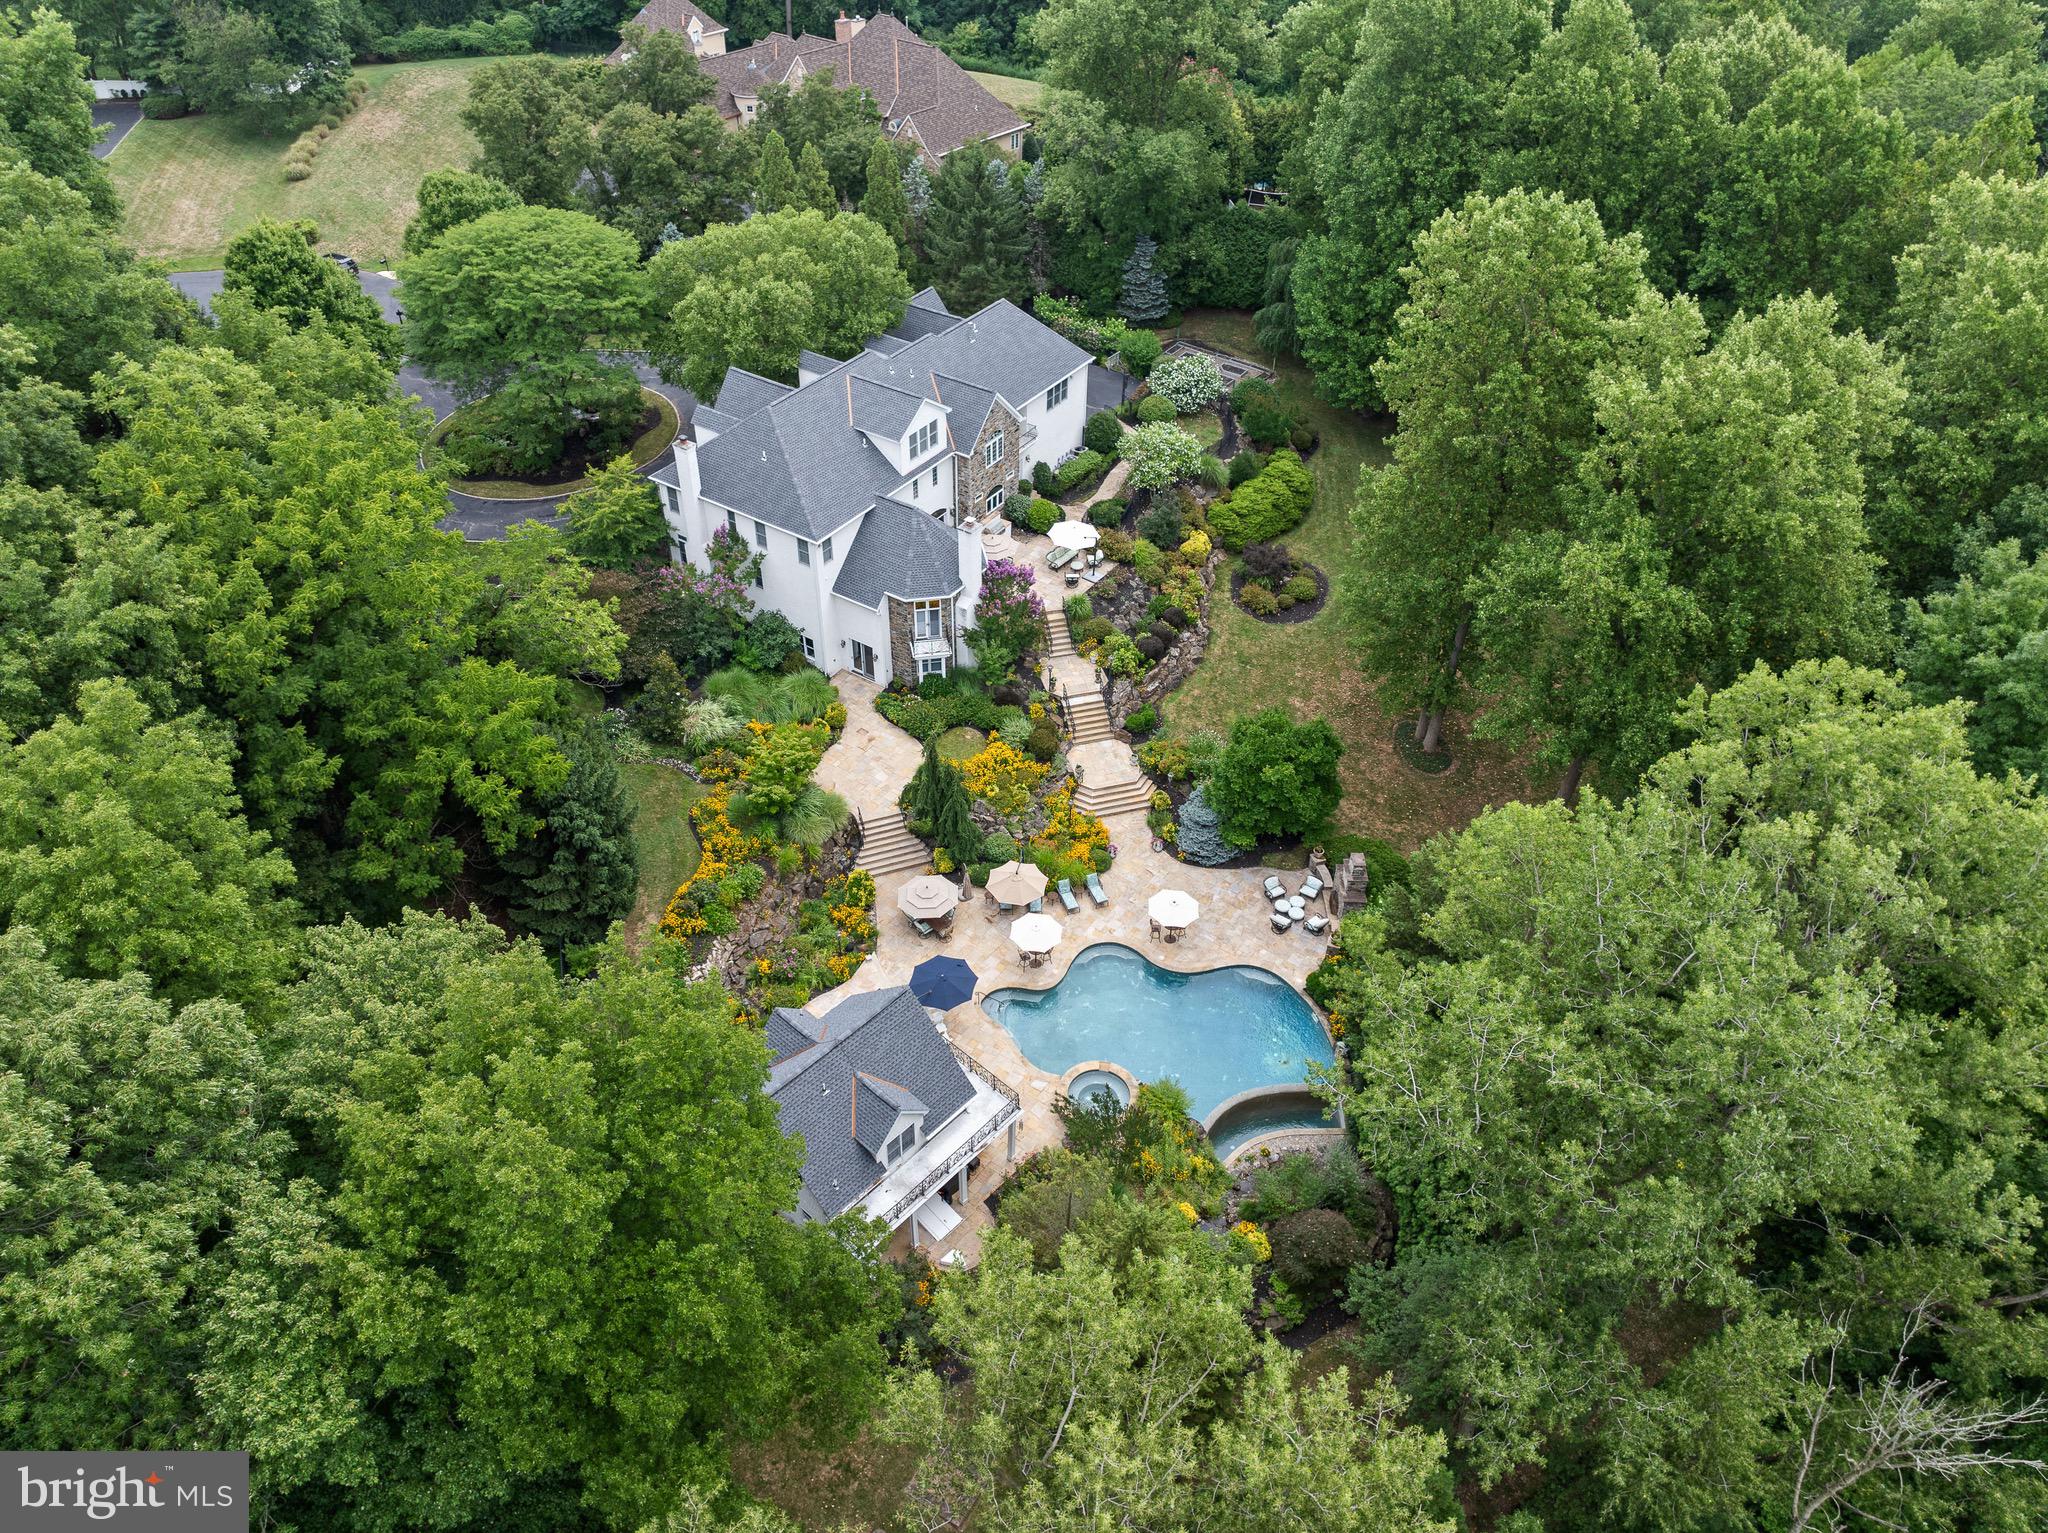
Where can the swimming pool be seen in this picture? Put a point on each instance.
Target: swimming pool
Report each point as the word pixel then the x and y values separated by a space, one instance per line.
pixel 1218 1033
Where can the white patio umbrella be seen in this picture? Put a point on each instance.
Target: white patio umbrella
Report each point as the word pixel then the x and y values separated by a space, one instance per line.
pixel 1035 933
pixel 1172 907
pixel 928 897
pixel 1016 883
pixel 1073 535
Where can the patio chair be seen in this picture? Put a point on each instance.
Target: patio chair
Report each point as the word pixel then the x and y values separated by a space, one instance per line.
pixel 1156 928
pixel 1317 925
pixel 1311 887
pixel 1095 558
pixel 1274 891
pixel 1066 890
pixel 1280 922
pixel 1060 558
pixel 1095 890
pixel 923 930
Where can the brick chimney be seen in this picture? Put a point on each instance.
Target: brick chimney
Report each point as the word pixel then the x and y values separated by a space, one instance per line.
pixel 845 28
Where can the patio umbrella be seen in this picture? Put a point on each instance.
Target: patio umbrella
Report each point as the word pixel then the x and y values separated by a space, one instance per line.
pixel 1172 907
pixel 1016 883
pixel 1035 933
pixel 942 982
pixel 1073 535
pixel 927 898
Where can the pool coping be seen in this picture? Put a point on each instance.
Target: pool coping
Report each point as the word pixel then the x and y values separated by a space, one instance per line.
pixel 1130 1080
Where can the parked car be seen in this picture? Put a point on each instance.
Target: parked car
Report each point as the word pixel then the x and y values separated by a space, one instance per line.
pixel 346 262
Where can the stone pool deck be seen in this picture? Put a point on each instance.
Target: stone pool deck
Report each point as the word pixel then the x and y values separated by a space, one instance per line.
pixel 1234 928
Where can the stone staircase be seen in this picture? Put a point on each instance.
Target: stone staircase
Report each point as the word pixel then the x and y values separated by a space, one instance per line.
pixel 1105 799
pixel 1060 641
pixel 887 846
pixel 1087 717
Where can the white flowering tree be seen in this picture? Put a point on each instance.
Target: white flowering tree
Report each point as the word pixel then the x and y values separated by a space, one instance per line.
pixel 1160 454
pixel 1188 383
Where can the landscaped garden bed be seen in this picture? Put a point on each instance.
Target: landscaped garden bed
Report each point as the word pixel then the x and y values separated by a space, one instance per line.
pixel 650 436
pixel 1272 585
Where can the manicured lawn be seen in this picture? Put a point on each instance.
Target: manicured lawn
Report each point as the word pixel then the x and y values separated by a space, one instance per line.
pixel 959 744
pixel 643 449
pixel 191 185
pixel 1023 95
pixel 661 798
pixel 1310 666
pixel 1205 426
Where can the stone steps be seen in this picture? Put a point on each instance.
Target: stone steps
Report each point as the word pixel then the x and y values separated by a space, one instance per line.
pixel 1087 719
pixel 1059 641
pixel 1105 799
pixel 887 846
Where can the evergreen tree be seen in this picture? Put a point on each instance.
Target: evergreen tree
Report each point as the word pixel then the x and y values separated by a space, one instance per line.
pixel 1143 299
pixel 775 181
pixel 921 798
pixel 917 188
pixel 572 878
pixel 975 242
pixel 813 185
pixel 953 826
pixel 885 201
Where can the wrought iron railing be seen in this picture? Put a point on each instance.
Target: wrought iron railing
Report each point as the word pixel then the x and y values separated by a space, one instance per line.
pixel 939 1175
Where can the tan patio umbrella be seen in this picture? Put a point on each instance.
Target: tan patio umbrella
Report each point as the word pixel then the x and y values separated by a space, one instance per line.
pixel 1075 535
pixel 927 898
pixel 1172 907
pixel 1035 933
pixel 1016 883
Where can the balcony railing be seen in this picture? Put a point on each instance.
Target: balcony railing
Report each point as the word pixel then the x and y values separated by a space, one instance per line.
pixel 931 649
pixel 943 1173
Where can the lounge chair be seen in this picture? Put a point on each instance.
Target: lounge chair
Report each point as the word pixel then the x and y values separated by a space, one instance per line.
pixel 1060 558
pixel 1095 890
pixel 1036 905
pixel 1274 891
pixel 1311 888
pixel 1066 889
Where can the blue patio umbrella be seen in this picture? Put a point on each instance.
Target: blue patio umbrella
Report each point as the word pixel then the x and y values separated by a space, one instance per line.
pixel 942 982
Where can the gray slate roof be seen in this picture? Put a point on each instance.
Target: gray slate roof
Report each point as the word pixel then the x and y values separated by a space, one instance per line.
pixel 796 458
pixel 898 551
pixel 880 1045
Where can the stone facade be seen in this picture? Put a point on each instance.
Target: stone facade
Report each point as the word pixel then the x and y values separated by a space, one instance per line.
pixel 977 477
pixel 903 628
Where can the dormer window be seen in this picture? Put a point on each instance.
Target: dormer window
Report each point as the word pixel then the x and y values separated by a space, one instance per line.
pixel 900 1146
pixel 923 440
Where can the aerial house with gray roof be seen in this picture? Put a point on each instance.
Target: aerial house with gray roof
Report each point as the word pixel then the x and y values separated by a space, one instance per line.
pixel 892 1116
pixel 864 485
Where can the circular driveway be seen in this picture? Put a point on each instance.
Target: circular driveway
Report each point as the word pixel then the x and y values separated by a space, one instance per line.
pixel 473 516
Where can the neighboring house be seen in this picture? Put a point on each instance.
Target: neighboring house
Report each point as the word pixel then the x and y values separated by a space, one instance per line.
pixel 705 31
pixel 924 97
pixel 890 1113
pixel 864 486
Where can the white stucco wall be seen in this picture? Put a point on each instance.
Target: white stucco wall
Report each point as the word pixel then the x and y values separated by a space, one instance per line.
pixel 1059 429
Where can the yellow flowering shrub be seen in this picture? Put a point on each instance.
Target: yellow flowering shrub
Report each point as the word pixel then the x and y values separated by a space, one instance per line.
pixel 1189 1212
pixel 998 774
pixel 1253 1239
pixel 1195 547
pixel 724 847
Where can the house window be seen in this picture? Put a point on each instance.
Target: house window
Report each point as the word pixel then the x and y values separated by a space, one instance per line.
pixel 682 549
pixel 810 647
pixel 992 454
pixel 1055 394
pixel 828 550
pixel 900 1146
pixel 760 534
pixel 913 489
pixel 732 523
pixel 803 551
pixel 1016 140
pixel 668 495
pixel 923 440
pixel 996 497
pixel 928 620
pixel 936 666
pixel 935 473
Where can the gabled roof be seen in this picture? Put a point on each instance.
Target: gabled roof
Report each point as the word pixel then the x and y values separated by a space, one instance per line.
pixel 875 1052
pixel 669 16
pixel 797 458
pixel 899 551
pixel 922 94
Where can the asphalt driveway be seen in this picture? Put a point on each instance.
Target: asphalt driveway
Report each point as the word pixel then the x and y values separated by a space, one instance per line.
pixel 119 119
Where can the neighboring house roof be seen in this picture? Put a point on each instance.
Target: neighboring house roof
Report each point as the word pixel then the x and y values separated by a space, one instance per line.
pixel 797 459
pixel 928 298
pixel 898 551
pixel 669 16
pixel 921 92
pixel 844 1087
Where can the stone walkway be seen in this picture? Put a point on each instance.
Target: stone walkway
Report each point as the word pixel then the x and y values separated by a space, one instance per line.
pixel 872 759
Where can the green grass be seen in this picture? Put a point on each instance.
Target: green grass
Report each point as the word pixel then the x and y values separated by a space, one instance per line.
pixel 958 744
pixel 1312 667
pixel 1019 95
pixel 190 185
pixel 1205 426
pixel 661 798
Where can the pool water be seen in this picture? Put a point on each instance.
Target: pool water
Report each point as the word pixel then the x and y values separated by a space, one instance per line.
pixel 1217 1033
